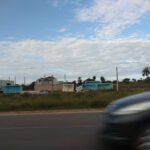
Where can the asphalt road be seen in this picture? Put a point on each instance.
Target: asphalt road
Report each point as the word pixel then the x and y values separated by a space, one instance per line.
pixel 71 131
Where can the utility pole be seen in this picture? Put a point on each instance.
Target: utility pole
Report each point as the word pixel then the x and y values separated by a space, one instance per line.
pixel 52 83
pixel 9 79
pixel 15 80
pixel 64 77
pixel 117 83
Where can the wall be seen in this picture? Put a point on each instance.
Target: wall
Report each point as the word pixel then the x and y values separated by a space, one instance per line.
pixel 90 85
pixel 42 81
pixel 12 89
pixel 96 85
pixel 5 82
pixel 79 88
pixel 48 87
pixel 105 86
pixel 68 88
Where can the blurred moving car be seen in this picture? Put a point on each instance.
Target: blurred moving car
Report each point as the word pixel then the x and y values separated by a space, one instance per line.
pixel 126 123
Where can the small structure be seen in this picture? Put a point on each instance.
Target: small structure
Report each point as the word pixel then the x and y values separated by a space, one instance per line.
pixel 90 85
pixel 47 80
pixel 79 89
pixel 105 86
pixel 47 84
pixel 48 87
pixel 11 89
pixel 68 88
pixel 6 82
pixel 96 85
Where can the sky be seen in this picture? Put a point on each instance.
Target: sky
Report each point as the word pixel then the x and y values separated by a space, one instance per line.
pixel 74 38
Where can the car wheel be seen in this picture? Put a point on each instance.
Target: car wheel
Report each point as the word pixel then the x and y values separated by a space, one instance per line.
pixel 143 139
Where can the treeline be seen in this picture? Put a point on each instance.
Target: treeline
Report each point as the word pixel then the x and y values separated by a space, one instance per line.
pixel 145 73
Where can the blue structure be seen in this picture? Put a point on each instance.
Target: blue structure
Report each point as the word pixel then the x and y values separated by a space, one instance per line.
pixel 11 89
pixel 90 85
pixel 96 85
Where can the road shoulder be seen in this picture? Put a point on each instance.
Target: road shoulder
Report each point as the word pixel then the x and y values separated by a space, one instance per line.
pixel 40 112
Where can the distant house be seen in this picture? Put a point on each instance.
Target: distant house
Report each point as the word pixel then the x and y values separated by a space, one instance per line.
pixel 11 89
pixel 46 80
pixel 96 85
pixel 47 84
pixel 6 82
pixel 68 88
pixel 105 86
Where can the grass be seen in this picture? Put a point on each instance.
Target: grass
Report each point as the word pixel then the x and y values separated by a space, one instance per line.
pixel 60 100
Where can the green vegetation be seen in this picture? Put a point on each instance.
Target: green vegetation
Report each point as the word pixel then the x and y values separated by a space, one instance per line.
pixel 60 100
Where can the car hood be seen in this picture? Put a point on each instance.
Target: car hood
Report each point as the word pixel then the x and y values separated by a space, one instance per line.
pixel 127 101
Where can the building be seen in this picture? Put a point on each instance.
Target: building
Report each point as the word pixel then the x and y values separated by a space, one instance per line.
pixel 68 88
pixel 11 89
pixel 48 87
pixel 47 80
pixel 79 88
pixel 96 85
pixel 90 85
pixel 6 82
pixel 48 84
pixel 105 86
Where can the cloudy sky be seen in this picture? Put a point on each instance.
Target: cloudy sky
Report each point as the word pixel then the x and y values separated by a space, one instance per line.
pixel 74 37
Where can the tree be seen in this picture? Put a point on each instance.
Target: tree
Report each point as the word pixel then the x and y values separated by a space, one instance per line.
pixel 88 79
pixel 108 81
pixel 79 81
pixel 114 81
pixel 133 80
pixel 146 71
pixel 94 78
pixel 126 80
pixel 140 80
pixel 75 85
pixel 29 87
pixel 102 79
pixel 147 80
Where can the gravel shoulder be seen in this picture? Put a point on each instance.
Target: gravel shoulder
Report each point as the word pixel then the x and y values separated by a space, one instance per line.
pixel 40 112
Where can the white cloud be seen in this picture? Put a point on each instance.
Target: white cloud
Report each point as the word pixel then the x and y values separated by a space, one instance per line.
pixel 54 3
pixel 62 30
pixel 113 16
pixel 11 38
pixel 74 57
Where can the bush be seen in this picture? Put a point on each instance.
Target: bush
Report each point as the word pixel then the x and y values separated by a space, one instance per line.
pixel 60 100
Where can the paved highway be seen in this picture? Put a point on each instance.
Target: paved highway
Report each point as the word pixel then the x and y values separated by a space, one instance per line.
pixel 68 131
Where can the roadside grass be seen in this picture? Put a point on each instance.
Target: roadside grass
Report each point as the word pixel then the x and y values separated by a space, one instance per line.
pixel 63 100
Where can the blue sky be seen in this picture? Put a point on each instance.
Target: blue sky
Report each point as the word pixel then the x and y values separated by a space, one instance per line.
pixel 76 38
pixel 39 19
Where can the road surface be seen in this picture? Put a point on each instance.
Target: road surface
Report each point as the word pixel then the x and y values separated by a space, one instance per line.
pixel 66 131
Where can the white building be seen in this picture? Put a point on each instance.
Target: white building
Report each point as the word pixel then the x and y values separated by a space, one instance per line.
pixel 6 82
pixel 79 89
pixel 68 88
